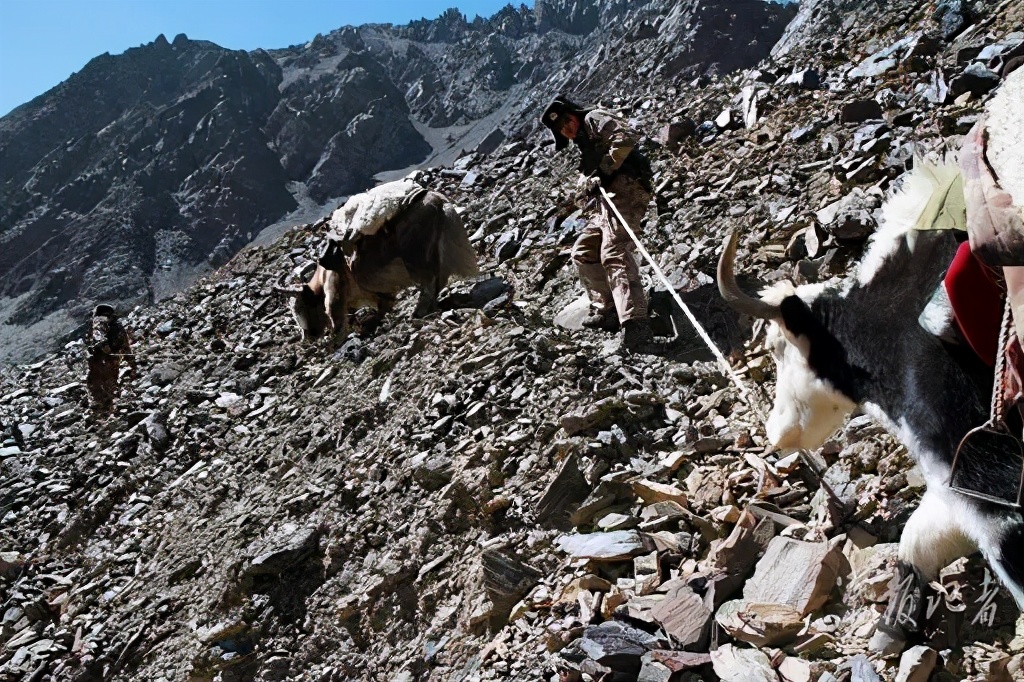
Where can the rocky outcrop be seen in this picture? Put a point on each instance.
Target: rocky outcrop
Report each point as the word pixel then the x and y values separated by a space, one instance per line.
pixel 345 134
pixel 149 160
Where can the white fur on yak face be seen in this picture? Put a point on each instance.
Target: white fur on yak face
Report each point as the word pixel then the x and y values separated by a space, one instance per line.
pixel 807 408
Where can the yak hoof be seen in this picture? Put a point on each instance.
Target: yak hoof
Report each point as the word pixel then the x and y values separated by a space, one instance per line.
pixel 887 641
pixel 902 617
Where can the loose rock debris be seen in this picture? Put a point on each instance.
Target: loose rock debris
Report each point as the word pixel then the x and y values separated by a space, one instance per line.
pixel 483 495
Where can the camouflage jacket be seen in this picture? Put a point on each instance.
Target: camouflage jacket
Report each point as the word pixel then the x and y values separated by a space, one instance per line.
pixel 608 148
pixel 109 338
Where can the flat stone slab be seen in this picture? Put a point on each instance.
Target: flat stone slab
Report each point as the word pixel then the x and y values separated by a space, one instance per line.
pixel 613 546
pixel 800 574
pixel 571 316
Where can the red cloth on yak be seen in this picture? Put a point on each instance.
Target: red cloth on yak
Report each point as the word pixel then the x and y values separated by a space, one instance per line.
pixel 977 302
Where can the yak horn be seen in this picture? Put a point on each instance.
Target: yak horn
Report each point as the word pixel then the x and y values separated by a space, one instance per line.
pixel 730 290
pixel 282 288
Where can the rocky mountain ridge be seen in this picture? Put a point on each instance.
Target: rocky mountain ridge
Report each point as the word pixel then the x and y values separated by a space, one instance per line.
pixel 484 494
pixel 145 169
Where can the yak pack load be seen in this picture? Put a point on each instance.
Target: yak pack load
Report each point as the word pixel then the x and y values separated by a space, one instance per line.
pixel 365 213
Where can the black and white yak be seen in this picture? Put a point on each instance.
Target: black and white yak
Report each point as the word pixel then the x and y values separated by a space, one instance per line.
pixel 425 245
pixel 860 343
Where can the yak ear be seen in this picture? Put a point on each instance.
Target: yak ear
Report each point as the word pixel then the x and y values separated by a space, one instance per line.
pixel 797 317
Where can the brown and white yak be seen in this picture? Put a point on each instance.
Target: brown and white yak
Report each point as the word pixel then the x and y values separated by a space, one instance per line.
pixel 425 245
pixel 859 342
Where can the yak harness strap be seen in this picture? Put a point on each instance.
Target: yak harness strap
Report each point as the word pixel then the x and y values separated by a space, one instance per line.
pixel 995 434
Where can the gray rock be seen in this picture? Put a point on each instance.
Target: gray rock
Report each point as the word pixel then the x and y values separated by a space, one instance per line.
pixel 861 669
pixel 288 547
pixel 859 111
pixel 852 217
pixel 615 546
pixel 800 574
pixel 672 133
pixel 615 645
pixel 809 79
pixel 916 664
pixel 733 664
pixel 507 246
pixel 156 430
pixel 432 472
pixel 953 16
pixel 975 79
pixel 565 492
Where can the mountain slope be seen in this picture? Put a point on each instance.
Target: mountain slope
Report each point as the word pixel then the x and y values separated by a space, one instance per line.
pixel 145 169
pixel 263 510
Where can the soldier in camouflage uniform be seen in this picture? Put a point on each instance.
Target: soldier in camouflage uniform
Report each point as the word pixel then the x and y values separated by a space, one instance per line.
pixel 107 344
pixel 604 252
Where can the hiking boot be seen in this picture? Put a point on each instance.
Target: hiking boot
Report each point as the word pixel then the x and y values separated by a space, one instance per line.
pixel 637 337
pixel 607 320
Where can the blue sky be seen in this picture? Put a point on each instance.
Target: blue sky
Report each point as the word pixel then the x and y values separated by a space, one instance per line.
pixel 42 42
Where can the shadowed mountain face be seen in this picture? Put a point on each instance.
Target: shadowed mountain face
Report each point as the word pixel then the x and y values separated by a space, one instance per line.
pixel 145 169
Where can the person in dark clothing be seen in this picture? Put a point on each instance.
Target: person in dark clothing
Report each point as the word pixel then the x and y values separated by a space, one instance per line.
pixel 604 252
pixel 107 344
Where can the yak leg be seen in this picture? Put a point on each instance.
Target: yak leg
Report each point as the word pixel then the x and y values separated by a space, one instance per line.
pixel 1001 539
pixel 938 532
pixel 952 525
pixel 385 304
pixel 336 304
pixel 427 302
pixel 932 539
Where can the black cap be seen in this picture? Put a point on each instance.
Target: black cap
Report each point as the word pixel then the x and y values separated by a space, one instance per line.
pixel 103 310
pixel 553 113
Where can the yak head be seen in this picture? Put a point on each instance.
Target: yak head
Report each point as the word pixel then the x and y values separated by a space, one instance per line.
pixel 308 307
pixel 809 406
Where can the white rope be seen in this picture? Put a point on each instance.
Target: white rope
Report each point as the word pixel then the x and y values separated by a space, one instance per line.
pixel 686 310
pixel 752 403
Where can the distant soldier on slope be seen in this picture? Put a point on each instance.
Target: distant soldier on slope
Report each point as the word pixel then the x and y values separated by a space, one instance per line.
pixel 604 252
pixel 106 345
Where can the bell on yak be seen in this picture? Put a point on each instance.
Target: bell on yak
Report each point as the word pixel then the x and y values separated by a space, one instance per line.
pixel 993 454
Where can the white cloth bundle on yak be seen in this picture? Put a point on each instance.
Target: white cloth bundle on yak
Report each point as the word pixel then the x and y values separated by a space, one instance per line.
pixel 992 162
pixel 364 214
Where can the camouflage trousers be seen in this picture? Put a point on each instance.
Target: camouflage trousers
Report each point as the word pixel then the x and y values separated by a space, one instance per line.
pixel 101 380
pixel 604 253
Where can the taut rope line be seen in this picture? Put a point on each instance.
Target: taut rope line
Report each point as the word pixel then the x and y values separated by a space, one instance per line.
pixel 747 396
